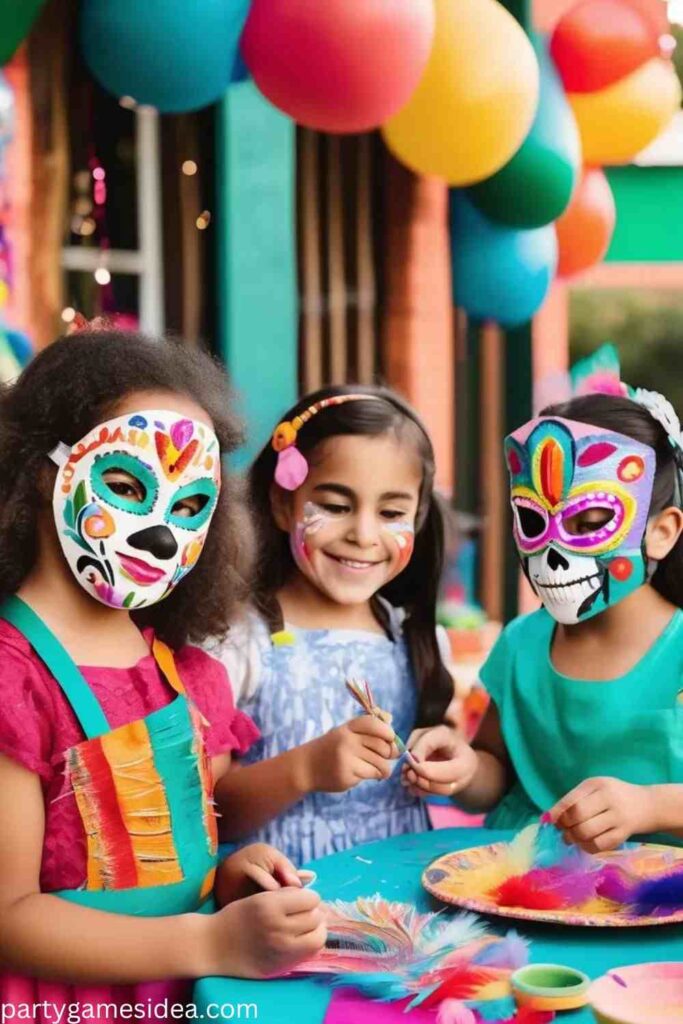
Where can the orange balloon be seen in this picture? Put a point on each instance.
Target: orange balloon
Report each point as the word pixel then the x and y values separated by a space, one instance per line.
pixel 585 229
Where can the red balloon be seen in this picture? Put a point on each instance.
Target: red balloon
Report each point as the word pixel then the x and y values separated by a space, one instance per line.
pixel 585 229
pixel 597 42
pixel 338 65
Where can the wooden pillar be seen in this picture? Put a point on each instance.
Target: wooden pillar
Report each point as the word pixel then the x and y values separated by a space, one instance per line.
pixel 47 50
pixel 417 334
pixel 258 331
pixel 493 484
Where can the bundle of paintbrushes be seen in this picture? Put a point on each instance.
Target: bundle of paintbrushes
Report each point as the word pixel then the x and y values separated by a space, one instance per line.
pixel 389 952
pixel 362 694
pixel 540 876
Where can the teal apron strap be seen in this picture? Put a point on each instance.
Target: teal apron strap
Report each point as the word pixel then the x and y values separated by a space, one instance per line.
pixel 62 666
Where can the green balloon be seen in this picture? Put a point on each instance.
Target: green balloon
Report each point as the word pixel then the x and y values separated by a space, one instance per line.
pixel 16 19
pixel 535 186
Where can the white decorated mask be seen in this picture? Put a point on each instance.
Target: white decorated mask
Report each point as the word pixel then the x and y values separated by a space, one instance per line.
pixel 133 501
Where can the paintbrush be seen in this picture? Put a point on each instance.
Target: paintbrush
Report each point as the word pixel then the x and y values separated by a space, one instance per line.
pixel 362 694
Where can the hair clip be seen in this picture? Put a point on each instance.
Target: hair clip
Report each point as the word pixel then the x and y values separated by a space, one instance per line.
pixel 292 468
pixel 80 323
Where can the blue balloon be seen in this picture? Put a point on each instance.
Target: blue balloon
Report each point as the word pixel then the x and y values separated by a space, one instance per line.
pixel 175 55
pixel 240 71
pixel 499 273
pixel 21 345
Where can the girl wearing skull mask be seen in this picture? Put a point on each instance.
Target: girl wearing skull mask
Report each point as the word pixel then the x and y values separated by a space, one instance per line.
pixel 118 545
pixel 585 720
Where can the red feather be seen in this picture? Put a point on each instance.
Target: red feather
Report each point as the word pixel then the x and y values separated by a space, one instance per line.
pixel 527 1016
pixel 521 891
pixel 460 983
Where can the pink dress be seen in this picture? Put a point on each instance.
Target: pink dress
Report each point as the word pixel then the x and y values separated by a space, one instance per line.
pixel 37 726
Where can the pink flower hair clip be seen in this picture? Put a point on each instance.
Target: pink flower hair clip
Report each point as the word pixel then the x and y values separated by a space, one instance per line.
pixel 292 468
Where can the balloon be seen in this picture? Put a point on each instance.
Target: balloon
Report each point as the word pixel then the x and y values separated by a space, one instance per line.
pixel 536 185
pixel 16 19
pixel 598 42
pixel 619 121
pixel 499 273
pixel 170 54
pixel 585 230
pixel 476 100
pixel 240 71
pixel 338 65
pixel 21 345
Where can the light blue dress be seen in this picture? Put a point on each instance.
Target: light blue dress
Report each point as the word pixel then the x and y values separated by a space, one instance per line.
pixel 295 692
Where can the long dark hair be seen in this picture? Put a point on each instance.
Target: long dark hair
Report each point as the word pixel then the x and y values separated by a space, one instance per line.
pixel 416 588
pixel 73 385
pixel 624 416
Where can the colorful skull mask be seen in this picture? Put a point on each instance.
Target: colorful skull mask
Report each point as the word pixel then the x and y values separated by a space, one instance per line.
pixel 131 550
pixel 559 469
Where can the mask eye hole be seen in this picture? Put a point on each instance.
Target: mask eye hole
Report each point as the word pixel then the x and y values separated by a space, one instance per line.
pixel 588 521
pixel 125 485
pixel 531 521
pixel 190 506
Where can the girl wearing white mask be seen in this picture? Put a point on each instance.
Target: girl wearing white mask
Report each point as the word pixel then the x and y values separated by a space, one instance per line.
pixel 118 541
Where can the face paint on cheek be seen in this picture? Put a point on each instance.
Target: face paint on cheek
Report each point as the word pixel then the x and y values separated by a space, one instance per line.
pixel 402 535
pixel 314 517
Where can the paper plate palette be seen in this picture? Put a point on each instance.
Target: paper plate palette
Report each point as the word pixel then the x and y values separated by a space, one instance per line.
pixel 642 994
pixel 466 878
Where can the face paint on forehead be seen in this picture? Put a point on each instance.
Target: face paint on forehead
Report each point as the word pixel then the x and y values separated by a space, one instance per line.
pixel 133 501
pixel 403 535
pixel 563 473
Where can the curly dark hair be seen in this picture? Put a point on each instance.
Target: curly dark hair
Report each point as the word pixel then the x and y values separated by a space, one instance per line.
pixel 76 383
pixel 416 588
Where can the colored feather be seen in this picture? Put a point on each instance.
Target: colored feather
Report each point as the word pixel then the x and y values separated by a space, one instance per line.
pixel 452 1011
pixel 615 884
pixel 511 952
pixel 495 1011
pixel 462 983
pixel 658 896
pixel 390 951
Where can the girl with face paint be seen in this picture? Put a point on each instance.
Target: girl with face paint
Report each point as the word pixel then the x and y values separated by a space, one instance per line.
pixel 118 545
pixel 349 552
pixel 586 719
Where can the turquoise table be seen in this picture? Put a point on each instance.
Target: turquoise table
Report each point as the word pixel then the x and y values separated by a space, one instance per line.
pixel 393 868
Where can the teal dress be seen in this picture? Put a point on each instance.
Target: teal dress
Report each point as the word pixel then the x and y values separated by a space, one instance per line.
pixel 559 731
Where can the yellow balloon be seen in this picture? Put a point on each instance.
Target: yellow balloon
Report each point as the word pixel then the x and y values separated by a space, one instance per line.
pixel 476 100
pixel 617 122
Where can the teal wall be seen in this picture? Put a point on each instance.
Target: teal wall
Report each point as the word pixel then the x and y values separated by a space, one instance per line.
pixel 649 225
pixel 258 326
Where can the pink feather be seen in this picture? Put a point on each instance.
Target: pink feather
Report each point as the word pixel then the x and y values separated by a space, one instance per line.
pixel 452 1011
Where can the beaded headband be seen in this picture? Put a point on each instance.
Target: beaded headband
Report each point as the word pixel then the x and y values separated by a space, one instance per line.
pixel 292 469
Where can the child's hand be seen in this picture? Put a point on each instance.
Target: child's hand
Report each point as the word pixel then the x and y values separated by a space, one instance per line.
pixel 360 749
pixel 253 869
pixel 264 935
pixel 444 763
pixel 601 814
